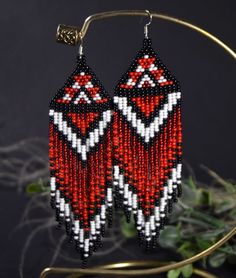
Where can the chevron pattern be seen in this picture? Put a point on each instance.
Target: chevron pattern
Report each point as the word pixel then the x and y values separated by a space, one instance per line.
pixel 130 149
pixel 81 158
pixel 147 139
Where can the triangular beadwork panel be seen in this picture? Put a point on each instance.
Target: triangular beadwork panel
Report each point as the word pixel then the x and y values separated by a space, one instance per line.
pixel 81 157
pixel 147 134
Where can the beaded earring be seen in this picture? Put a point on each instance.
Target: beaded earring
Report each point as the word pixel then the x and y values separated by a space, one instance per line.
pixel 147 138
pixel 80 157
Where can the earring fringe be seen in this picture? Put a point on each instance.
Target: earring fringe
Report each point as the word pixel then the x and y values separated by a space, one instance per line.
pixel 148 151
pixel 80 158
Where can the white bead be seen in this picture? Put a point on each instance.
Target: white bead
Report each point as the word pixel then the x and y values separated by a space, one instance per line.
pixel 76 226
pixel 129 113
pixel 126 190
pixel 120 103
pixel 73 140
pixel 96 135
pixel 134 120
pixel 147 228
pixel 91 139
pixel 147 134
pixel 178 95
pixel 109 194
pixel 121 181
pixel 57 196
pixel 69 131
pixel 62 204
pixel 60 121
pixel 81 235
pixel 67 210
pixel 97 219
pixel 79 146
pixel 108 116
pixel 64 128
pixel 116 172
pixel 83 152
pixel 53 183
pixel 134 201
pixel 51 112
pixel 157 214
pixel 130 200
pixel 103 210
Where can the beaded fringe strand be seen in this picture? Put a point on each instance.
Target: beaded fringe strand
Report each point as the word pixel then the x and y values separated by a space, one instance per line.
pixel 148 144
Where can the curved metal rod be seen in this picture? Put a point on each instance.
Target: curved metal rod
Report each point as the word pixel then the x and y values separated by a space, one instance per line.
pixel 187 24
pixel 145 264
pixel 164 268
pixel 140 272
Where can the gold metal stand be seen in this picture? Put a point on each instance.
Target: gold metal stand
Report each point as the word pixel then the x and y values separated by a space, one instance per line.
pixel 114 269
pixel 73 35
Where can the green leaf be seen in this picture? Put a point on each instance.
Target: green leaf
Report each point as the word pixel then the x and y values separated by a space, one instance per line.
pixel 211 235
pixel 169 237
pixel 177 212
pixel 187 249
pixel 174 273
pixel 191 183
pixel 203 244
pixel 225 206
pixel 232 214
pixel 211 220
pixel 231 188
pixel 187 270
pixel 128 229
pixel 35 187
pixel 189 196
pixel 217 259
pixel 228 250
pixel 196 222
pixel 232 257
pixel 204 197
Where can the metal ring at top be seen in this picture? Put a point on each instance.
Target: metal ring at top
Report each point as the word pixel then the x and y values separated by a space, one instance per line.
pixel 73 34
pixel 147 24
pixel 150 17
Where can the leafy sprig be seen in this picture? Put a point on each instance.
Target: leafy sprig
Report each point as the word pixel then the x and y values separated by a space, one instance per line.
pixel 202 216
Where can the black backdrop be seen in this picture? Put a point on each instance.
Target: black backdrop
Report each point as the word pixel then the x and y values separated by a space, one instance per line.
pixel 34 66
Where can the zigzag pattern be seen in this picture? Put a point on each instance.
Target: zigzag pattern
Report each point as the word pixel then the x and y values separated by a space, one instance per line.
pixel 81 158
pixel 147 136
pixel 134 149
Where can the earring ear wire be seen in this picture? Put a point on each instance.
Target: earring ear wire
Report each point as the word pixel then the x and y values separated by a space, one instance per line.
pixel 81 48
pixel 147 24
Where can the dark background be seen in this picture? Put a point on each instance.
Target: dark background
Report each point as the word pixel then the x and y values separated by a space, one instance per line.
pixel 34 66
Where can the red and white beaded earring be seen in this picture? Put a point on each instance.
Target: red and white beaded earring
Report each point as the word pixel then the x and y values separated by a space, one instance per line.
pixel 147 138
pixel 80 153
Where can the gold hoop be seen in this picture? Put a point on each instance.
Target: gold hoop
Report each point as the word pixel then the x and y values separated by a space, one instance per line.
pixel 72 36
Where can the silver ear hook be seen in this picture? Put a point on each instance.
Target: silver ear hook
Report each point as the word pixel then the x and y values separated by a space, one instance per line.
pixel 146 25
pixel 81 47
